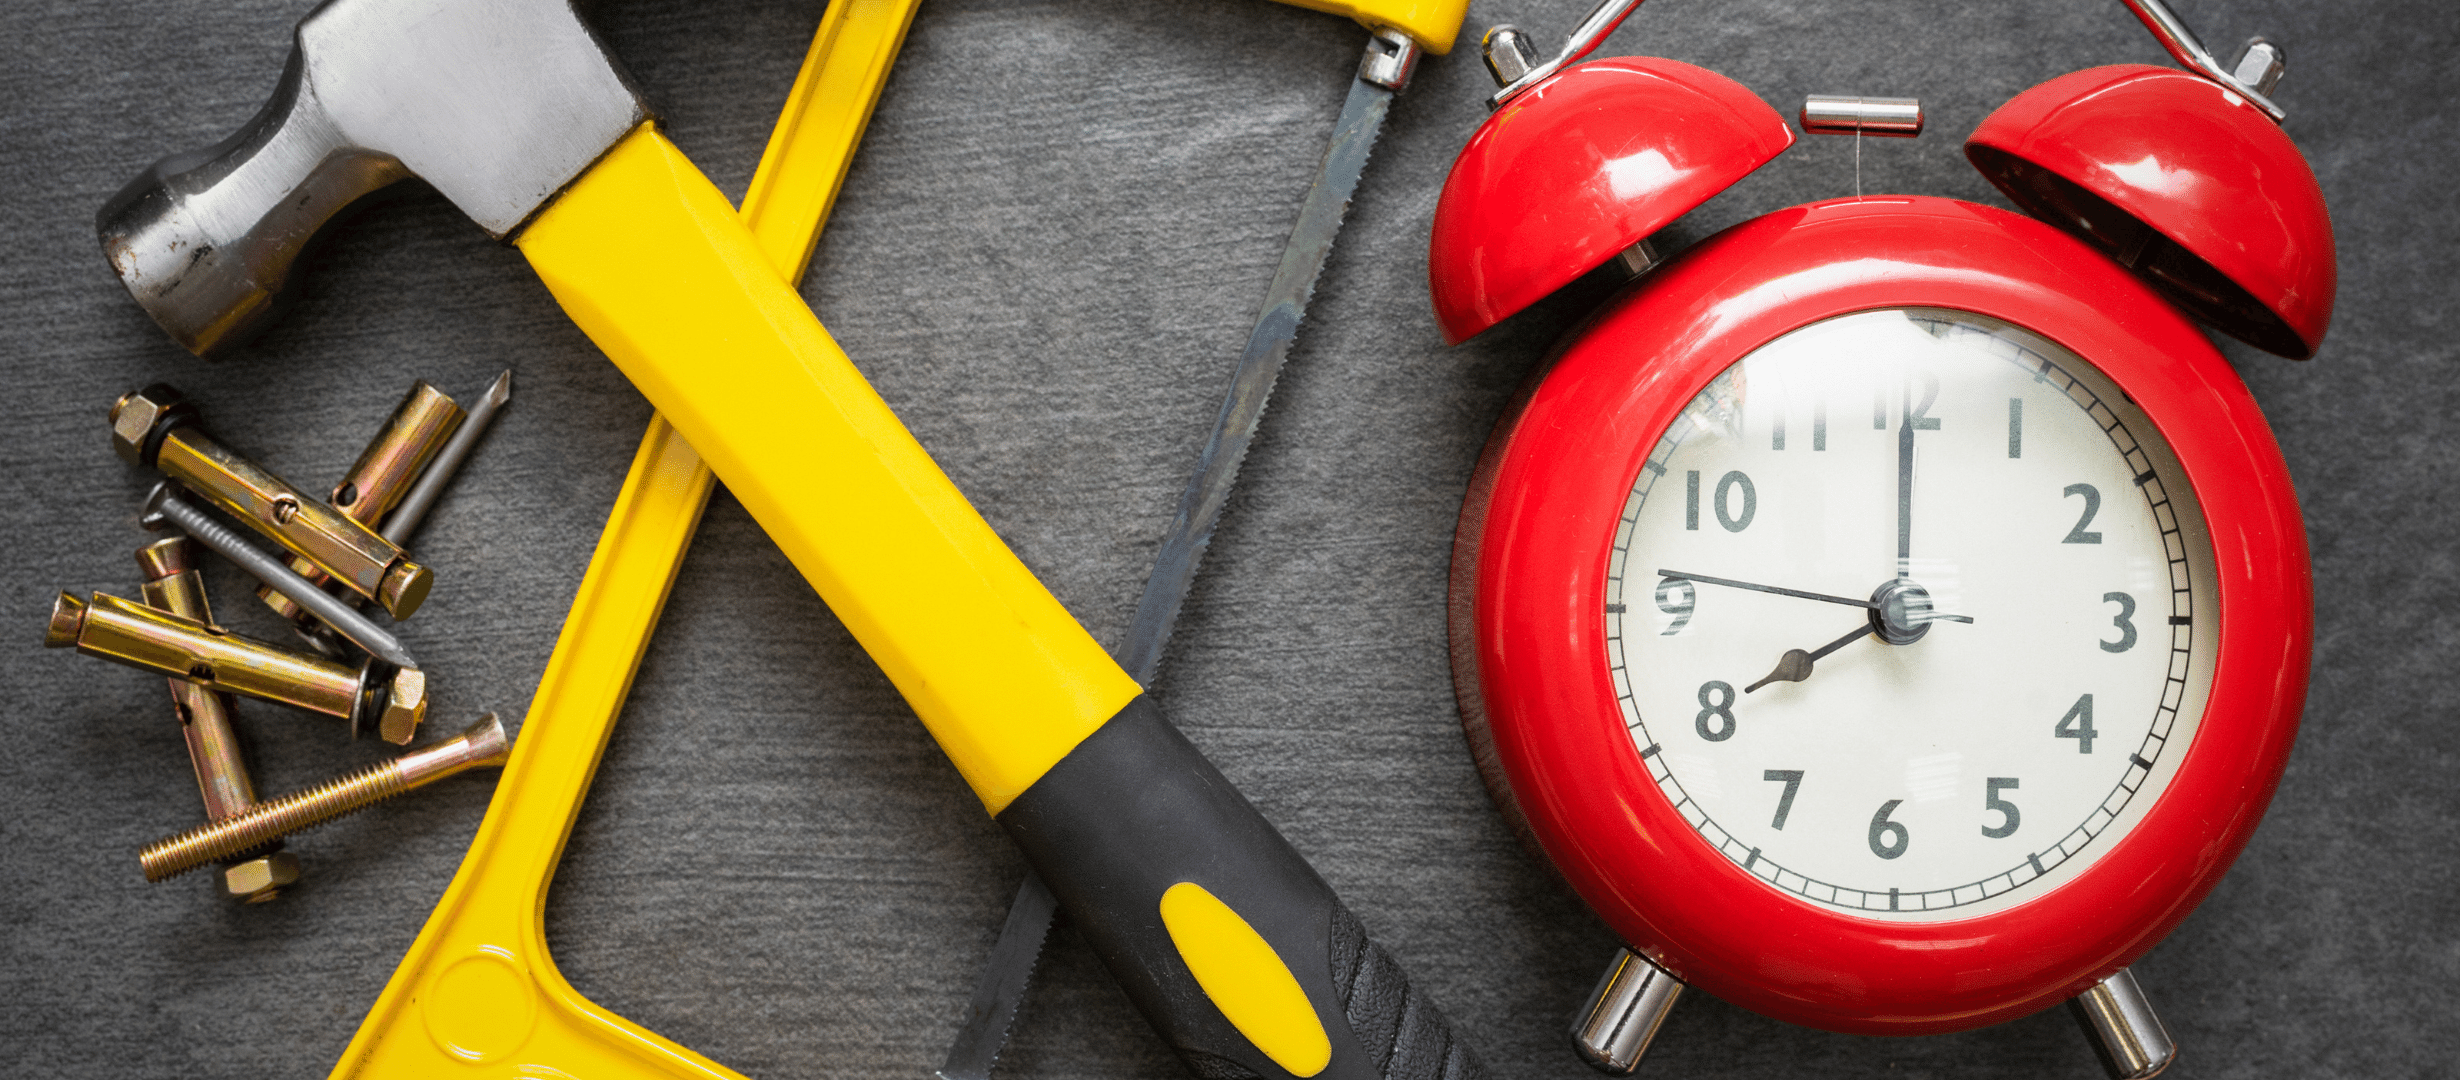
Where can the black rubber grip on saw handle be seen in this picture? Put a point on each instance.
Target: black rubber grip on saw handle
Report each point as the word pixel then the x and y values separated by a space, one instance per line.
pixel 1136 809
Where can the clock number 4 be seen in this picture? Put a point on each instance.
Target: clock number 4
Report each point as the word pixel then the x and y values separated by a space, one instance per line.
pixel 2078 725
pixel 1722 501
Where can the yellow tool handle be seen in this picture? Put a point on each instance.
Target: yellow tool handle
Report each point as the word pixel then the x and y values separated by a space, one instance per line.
pixel 1433 23
pixel 478 986
pixel 646 255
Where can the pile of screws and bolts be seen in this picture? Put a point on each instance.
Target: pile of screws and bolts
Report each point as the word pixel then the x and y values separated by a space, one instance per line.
pixel 331 556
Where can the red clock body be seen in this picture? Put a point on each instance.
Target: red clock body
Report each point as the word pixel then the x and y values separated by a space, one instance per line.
pixel 1570 716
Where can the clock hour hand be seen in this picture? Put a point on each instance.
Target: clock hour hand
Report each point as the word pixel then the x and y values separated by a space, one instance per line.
pixel 1795 665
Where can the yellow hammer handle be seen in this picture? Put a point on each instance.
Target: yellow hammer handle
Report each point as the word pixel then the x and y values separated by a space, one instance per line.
pixel 646 255
pixel 1434 23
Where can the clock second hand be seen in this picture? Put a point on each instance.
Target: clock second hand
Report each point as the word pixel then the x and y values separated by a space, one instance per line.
pixel 1795 665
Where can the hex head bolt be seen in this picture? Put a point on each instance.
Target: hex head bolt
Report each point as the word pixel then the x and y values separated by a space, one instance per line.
pixel 209 656
pixel 173 584
pixel 410 438
pixel 484 744
pixel 157 427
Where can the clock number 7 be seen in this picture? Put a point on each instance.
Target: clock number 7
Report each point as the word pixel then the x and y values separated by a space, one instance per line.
pixel 1792 779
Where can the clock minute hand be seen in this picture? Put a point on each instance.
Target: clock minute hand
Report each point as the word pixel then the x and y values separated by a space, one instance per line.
pixel 1732 584
pixel 1795 665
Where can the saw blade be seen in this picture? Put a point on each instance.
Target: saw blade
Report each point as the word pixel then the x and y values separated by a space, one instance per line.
pixel 1005 974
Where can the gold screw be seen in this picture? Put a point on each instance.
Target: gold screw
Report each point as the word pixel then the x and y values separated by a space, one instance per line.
pixel 483 744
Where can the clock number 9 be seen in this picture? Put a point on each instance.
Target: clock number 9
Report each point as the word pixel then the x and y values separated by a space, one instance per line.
pixel 1897 838
pixel 1723 710
pixel 1681 611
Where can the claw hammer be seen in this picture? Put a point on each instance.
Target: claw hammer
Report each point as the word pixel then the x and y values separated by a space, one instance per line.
pixel 514 111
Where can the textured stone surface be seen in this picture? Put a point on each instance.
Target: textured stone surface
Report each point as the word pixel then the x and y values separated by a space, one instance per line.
pixel 1046 254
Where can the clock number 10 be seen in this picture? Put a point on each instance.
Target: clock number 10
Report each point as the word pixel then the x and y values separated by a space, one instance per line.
pixel 1723 500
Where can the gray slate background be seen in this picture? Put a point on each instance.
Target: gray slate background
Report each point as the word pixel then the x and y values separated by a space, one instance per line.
pixel 1049 248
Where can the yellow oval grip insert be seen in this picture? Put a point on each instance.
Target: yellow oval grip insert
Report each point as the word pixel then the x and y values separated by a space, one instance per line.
pixel 1246 979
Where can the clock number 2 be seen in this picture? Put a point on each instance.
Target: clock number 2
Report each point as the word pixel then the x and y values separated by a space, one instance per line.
pixel 2092 506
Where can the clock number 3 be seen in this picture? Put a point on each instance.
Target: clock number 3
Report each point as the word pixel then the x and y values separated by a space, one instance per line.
pixel 2126 628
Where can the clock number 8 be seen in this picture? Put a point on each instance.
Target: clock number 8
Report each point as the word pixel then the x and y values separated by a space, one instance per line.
pixel 1723 710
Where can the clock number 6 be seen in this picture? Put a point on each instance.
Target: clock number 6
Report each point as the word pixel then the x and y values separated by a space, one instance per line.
pixel 1723 710
pixel 1880 826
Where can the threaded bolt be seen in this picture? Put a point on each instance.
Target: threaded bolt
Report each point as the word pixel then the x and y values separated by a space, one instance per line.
pixel 484 744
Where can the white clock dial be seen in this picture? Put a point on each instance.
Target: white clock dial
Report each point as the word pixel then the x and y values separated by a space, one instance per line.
pixel 2040 649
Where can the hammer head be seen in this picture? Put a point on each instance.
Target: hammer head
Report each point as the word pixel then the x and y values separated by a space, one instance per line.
pixel 496 103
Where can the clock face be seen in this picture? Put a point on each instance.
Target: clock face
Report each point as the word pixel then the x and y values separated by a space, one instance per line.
pixel 1910 613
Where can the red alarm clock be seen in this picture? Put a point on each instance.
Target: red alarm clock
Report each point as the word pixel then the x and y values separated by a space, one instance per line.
pixel 1892 614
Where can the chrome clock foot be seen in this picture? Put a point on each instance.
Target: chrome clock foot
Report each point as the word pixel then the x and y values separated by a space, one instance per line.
pixel 1624 1013
pixel 2130 1039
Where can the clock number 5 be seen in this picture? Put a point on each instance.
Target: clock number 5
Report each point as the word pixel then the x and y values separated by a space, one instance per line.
pixel 1897 839
pixel 2010 816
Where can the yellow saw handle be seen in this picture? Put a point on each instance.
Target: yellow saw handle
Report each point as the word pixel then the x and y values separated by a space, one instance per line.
pixel 1433 23
pixel 651 261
